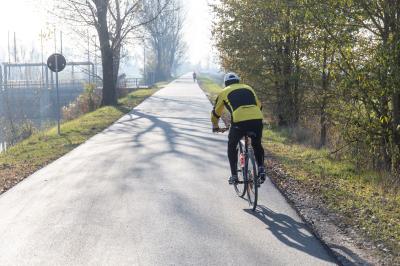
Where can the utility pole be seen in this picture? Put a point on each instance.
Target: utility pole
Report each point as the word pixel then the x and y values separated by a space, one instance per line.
pixel 15 47
pixel 57 89
pixel 61 42
pixel 41 48
pixel 9 52
pixel 95 60
pixel 7 99
pixel 144 62
pixel 9 55
pixel 55 40
pixel 88 53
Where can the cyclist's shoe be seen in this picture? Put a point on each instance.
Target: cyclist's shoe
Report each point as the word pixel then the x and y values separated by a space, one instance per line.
pixel 261 174
pixel 233 179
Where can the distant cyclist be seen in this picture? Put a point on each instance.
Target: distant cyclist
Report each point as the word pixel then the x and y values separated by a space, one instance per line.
pixel 194 76
pixel 245 109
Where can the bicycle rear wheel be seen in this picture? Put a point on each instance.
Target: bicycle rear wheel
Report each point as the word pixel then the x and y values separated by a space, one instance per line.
pixel 240 186
pixel 252 184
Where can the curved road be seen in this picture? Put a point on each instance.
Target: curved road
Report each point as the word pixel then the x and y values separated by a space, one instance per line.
pixel 150 190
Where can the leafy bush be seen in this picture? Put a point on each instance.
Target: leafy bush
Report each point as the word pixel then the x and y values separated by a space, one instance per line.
pixel 87 102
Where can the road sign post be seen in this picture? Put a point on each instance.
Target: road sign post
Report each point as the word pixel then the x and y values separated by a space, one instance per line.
pixel 56 63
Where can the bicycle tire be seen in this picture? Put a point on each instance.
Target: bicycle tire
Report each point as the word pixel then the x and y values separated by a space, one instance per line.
pixel 241 185
pixel 252 177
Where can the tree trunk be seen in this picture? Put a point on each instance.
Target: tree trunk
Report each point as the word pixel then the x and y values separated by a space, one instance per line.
pixel 287 70
pixel 396 134
pixel 280 101
pixel 395 98
pixel 296 83
pixel 325 84
pixel 289 116
pixel 109 90
pixel 116 62
pixel 116 45
pixel 323 126
pixel 286 90
pixel 159 71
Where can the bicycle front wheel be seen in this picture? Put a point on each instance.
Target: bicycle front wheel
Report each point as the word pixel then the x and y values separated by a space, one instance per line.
pixel 252 183
pixel 240 186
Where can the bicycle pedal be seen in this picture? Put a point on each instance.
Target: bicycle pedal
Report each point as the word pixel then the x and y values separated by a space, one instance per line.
pixel 233 182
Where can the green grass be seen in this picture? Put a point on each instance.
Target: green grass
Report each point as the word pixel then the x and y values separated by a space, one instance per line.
pixel 162 83
pixel 358 197
pixel 211 88
pixel 44 147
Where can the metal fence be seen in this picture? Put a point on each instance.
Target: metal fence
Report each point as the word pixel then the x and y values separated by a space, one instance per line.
pixel 27 92
pixel 22 103
pixel 131 83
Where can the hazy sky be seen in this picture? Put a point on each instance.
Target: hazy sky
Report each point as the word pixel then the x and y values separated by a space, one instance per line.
pixel 198 29
pixel 27 18
pixel 22 16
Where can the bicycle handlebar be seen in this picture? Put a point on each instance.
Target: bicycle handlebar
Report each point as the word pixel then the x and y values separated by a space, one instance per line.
pixel 221 130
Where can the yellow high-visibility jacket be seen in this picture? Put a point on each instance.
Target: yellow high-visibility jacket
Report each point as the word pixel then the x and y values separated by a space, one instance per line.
pixel 241 101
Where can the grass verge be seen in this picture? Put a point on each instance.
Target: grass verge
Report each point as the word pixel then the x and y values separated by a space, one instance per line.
pixel 210 87
pixel 44 147
pixel 356 197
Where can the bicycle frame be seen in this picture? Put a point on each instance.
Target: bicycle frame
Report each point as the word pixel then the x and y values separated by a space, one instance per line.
pixel 250 167
pixel 247 160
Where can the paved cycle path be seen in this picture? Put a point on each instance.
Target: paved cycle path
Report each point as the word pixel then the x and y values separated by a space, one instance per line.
pixel 150 190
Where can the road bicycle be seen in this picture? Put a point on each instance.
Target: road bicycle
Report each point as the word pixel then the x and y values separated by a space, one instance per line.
pixel 248 180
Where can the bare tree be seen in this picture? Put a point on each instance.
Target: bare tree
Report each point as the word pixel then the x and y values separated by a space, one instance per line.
pixel 114 21
pixel 165 36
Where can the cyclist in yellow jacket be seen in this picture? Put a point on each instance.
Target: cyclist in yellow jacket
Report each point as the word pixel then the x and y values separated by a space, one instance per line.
pixel 245 109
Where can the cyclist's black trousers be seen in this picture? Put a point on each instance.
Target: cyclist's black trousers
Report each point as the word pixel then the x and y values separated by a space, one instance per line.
pixel 236 133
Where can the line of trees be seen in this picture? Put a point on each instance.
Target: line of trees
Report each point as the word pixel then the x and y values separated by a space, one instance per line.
pixel 336 63
pixel 164 36
pixel 117 23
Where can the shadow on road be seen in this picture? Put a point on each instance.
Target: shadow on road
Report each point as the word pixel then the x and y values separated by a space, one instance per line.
pixel 289 231
pixel 181 136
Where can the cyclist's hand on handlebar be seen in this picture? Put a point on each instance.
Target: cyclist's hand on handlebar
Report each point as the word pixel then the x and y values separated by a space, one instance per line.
pixel 220 130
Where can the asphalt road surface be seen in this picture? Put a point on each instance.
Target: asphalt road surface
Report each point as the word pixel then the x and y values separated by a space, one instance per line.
pixel 151 190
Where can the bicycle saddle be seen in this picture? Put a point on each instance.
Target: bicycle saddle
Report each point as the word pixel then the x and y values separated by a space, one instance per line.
pixel 251 134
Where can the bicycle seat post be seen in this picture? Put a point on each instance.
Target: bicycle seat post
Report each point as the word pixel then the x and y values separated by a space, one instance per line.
pixel 248 136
